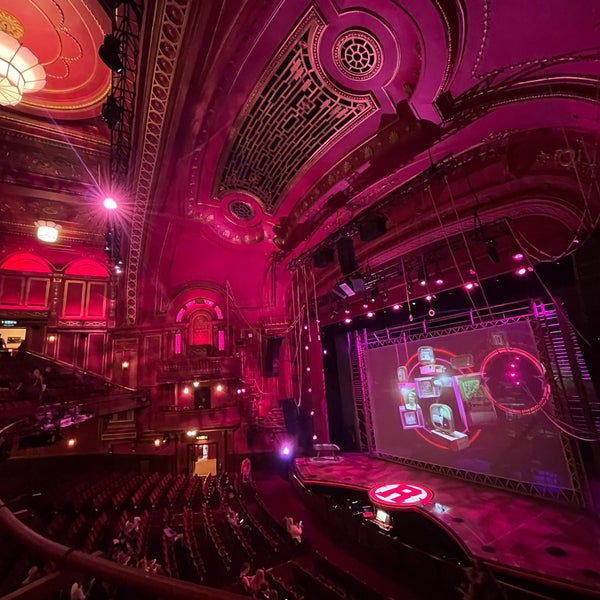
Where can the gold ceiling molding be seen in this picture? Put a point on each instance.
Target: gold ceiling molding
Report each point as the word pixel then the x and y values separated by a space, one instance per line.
pixel 10 25
pixel 170 20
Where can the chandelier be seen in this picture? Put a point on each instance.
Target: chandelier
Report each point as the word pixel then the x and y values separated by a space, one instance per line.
pixel 20 71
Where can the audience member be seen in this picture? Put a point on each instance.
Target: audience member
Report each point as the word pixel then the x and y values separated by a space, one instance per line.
pixel 294 530
pixel 77 592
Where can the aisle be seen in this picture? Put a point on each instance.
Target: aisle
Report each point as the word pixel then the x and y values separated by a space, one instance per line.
pixel 279 497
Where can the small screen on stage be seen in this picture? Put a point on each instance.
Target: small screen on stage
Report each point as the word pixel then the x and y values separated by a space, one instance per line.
pixel 475 401
pixel 382 516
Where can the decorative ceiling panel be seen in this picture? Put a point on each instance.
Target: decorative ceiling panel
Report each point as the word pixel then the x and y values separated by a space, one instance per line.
pixel 295 114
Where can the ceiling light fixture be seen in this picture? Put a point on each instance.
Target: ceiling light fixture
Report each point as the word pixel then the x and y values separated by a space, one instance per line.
pixel 20 71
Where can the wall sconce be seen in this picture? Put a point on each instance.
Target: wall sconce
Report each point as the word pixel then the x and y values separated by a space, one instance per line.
pixel 125 364
pixel 51 338
pixel 196 383
pixel 47 231
pixel 186 390
pixel 219 387
pixel 71 443
pixel 157 442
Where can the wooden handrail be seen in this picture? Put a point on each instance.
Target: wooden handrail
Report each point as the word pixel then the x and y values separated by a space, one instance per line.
pixel 136 579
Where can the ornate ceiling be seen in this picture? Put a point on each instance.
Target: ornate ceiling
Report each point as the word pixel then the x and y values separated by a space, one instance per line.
pixel 263 129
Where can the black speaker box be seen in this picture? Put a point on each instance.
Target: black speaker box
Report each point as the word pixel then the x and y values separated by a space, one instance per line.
pixel 371 228
pixel 346 257
pixel 323 257
pixel 290 415
pixel 271 357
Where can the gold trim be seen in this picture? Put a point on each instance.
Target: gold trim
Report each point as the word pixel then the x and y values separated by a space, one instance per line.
pixel 10 25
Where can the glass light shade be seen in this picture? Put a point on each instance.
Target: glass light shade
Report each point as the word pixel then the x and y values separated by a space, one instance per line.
pixel 47 231
pixel 20 72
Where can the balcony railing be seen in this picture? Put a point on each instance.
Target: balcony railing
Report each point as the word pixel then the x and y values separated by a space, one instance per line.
pixel 176 418
pixel 210 367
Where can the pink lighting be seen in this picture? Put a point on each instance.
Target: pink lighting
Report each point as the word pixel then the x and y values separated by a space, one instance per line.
pixel 470 285
pixel 221 340
pixel 521 271
pixel 186 390
pixel 370 314
pixel 309 390
pixel 314 437
pixel 312 413
pixel 178 343
pixel 346 311
pixel 285 450
pixel 308 369
pixel 396 307
pixel 347 320
pixel 110 204
pixel 365 305
pixel 306 347
pixel 219 388
pixel 517 255
pixel 439 281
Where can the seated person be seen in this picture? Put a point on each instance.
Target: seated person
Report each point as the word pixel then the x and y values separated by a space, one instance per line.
pixel 245 577
pixel 294 530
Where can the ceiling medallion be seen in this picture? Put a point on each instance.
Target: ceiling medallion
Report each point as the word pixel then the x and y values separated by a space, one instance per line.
pixel 241 210
pixel 357 54
pixel 20 71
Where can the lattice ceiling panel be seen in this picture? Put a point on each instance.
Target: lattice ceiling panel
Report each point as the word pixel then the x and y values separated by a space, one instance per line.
pixel 293 117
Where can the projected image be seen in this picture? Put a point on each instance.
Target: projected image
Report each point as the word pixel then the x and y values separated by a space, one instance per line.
pixel 473 400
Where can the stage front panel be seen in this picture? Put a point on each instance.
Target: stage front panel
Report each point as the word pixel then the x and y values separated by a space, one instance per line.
pixel 476 401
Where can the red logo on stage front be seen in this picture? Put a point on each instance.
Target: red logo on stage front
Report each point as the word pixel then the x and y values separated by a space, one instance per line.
pixel 400 495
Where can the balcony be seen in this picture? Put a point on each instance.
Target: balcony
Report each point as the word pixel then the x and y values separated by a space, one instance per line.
pixel 199 367
pixel 175 418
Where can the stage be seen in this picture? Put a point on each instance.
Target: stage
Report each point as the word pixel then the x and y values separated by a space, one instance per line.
pixel 496 526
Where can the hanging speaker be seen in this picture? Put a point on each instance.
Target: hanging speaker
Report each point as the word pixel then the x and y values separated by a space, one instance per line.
pixel 271 357
pixel 372 227
pixel 346 258
pixel 323 257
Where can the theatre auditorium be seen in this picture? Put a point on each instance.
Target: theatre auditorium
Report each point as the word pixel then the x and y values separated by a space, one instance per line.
pixel 299 299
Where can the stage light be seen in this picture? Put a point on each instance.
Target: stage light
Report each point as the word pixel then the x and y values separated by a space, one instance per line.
pixel 521 271
pixel 470 285
pixel 370 314
pixel 238 391
pixel 347 320
pixel 325 351
pixel 219 387
pixel 110 204
pixel 439 280
pixel 191 433
pixel 517 254
pixel 110 52
pixel 346 311
pixel 285 451
pixel 314 437
pixel 71 442
pixel 111 112
pixel 429 297
pixel 196 383
pixel 312 413
pixel 156 442
pixel 396 307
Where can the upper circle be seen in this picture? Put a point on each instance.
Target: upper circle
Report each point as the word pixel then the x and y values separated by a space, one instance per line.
pixel 357 54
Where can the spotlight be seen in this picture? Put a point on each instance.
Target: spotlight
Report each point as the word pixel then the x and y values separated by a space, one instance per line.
pixel 347 320
pixel 470 285
pixel 517 253
pixel 422 276
pixel 312 413
pixel 109 204
pixel 306 347
pixel 370 314
pixel 325 351
pixel 492 251
pixel 111 112
pixel 346 311
pixel 521 271
pixel 365 305
pixel 285 451
pixel 309 390
pixel 396 307
pixel 439 280
pixel 109 53
pixel 314 437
